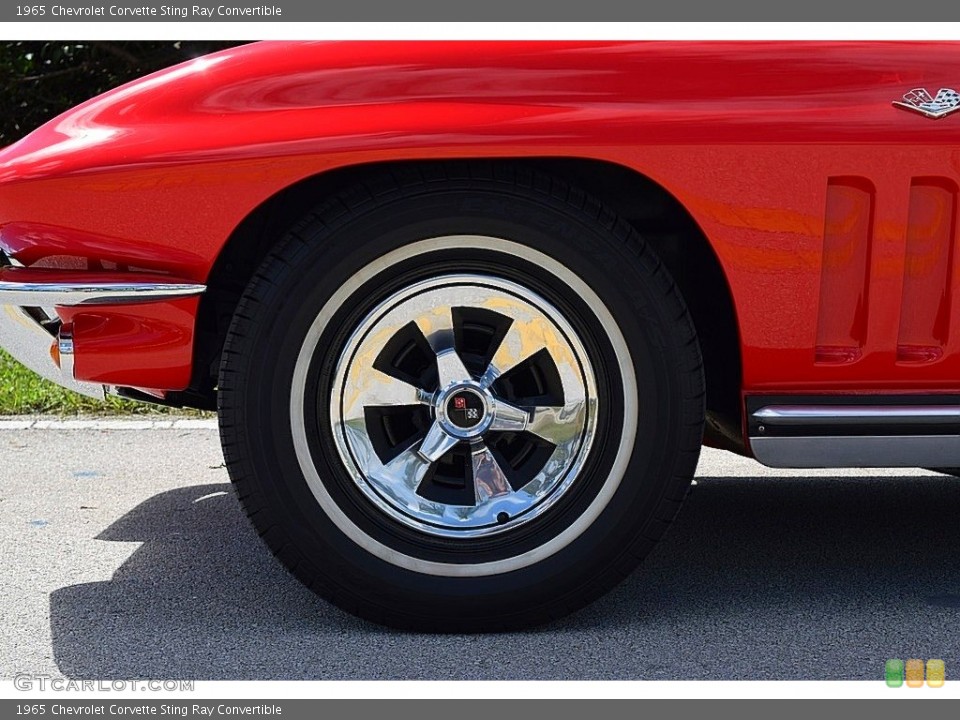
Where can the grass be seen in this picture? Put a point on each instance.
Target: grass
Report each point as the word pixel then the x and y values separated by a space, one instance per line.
pixel 23 392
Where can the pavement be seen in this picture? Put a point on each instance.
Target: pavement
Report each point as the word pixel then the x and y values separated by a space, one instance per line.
pixel 124 554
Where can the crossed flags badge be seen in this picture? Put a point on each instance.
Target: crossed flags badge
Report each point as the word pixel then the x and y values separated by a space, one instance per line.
pixel 919 100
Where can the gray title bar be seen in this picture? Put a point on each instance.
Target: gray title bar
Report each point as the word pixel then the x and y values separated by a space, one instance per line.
pixel 490 10
pixel 466 709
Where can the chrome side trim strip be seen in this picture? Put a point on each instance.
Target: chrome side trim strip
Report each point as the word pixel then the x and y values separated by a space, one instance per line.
pixel 858 451
pixel 29 343
pixel 800 415
pixel 85 293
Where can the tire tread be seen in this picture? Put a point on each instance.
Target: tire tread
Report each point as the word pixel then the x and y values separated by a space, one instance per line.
pixel 411 182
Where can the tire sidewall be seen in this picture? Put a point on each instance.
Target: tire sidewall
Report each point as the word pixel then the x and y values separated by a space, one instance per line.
pixel 285 310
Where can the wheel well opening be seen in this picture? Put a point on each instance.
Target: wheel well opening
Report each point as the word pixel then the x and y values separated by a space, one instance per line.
pixel 683 247
pixel 654 212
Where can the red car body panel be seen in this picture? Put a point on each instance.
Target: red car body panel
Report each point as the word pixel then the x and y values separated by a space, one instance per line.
pixel 831 212
pixel 151 342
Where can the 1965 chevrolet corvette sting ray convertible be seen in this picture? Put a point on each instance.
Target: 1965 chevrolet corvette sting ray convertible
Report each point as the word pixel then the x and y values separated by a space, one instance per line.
pixel 467 311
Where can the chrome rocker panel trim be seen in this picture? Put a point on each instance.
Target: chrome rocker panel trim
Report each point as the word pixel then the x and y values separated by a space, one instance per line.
pixel 916 436
pixel 796 415
pixel 857 451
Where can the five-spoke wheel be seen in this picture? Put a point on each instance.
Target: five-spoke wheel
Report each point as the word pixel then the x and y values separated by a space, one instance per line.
pixel 464 405
pixel 466 402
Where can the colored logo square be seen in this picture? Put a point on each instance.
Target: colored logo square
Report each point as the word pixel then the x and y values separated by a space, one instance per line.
pixel 936 673
pixel 893 672
pixel 914 673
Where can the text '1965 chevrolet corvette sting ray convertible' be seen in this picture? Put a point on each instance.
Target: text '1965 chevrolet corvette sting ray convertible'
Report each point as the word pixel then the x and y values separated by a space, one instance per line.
pixel 467 310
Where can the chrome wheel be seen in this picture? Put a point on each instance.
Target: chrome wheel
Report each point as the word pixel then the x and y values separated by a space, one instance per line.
pixel 463 398
pixel 464 406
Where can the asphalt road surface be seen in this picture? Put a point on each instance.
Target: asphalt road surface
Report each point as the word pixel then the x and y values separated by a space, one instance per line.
pixel 125 555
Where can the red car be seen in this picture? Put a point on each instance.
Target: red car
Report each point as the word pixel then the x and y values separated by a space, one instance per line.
pixel 468 310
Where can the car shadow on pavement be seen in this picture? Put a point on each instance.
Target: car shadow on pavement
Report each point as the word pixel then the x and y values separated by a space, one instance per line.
pixel 760 578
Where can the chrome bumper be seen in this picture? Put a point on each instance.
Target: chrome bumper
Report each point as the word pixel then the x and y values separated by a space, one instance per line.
pixel 34 294
pixel 29 340
pixel 29 343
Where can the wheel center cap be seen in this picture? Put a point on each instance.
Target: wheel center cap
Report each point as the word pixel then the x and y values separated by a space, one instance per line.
pixel 464 410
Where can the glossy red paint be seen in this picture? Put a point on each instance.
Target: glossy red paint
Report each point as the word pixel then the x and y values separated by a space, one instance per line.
pixel 151 343
pixel 747 136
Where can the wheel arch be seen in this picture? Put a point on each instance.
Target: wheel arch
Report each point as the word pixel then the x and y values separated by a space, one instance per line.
pixel 656 214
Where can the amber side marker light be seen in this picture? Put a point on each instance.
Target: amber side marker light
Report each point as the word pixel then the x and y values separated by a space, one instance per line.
pixel 55 352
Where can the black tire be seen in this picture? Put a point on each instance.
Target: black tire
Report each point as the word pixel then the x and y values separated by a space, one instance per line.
pixel 515 228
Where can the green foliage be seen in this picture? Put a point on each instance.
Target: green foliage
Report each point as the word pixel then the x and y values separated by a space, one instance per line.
pixel 22 392
pixel 39 80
